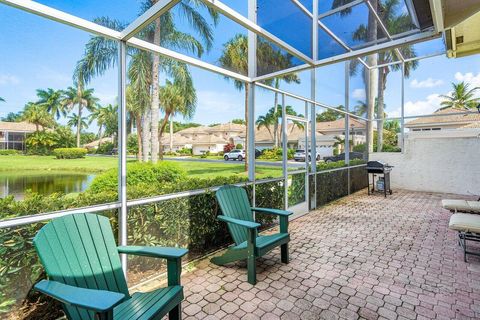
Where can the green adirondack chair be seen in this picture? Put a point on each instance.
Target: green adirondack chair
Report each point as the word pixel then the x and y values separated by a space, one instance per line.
pixel 238 214
pixel 82 262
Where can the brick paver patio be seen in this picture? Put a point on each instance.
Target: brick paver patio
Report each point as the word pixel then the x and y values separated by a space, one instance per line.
pixel 361 257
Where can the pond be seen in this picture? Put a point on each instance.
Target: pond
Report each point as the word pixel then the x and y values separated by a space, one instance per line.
pixel 42 182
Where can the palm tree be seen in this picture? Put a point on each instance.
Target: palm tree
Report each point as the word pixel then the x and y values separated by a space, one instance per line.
pixel 2 100
pixel 370 77
pixel 77 122
pixel 235 57
pixel 100 116
pixel 266 121
pixel 462 97
pixel 392 125
pixel 52 100
pixel 395 23
pixel 81 98
pixel 36 114
pixel 176 98
pixel 101 54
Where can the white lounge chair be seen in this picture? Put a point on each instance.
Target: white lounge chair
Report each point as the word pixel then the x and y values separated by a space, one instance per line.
pixel 461 205
pixel 468 227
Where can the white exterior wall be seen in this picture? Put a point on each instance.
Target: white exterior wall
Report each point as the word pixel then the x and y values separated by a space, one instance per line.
pixel 446 162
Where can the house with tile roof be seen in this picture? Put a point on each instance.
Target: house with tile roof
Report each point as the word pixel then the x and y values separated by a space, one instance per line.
pixel 13 134
pixel 212 139
pixel 446 119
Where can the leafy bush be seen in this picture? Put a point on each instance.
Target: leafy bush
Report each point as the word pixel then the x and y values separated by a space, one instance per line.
pixel 389 148
pixel 185 151
pixel 105 148
pixel 205 154
pixel 338 164
pixel 41 142
pixel 239 146
pixel 70 153
pixel 228 147
pixel 159 176
pixel 132 144
pixel 9 152
pixel 276 154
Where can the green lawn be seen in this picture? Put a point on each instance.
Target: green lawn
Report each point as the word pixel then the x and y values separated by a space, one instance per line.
pixel 37 163
pixel 23 164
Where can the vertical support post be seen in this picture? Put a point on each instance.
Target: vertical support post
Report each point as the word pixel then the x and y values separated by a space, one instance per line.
pixel 402 119
pixel 252 72
pixel 284 150
pixel 313 113
pixel 313 156
pixel 347 121
pixel 368 123
pixel 122 147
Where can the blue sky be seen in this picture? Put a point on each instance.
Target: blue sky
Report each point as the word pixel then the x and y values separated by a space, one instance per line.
pixel 38 53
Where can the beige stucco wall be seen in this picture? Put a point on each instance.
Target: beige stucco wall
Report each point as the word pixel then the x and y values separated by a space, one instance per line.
pixel 443 162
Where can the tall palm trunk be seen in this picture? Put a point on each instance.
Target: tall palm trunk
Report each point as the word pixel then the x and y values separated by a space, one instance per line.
pixel 247 87
pixel 371 75
pixel 155 95
pixel 80 107
pixel 275 106
pixel 382 81
pixel 146 134
pixel 138 123
pixel 160 133
pixel 99 136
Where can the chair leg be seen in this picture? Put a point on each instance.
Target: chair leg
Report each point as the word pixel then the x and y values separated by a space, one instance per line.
pixel 175 313
pixel 284 253
pixel 252 269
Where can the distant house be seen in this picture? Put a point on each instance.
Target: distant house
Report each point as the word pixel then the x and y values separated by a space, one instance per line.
pixel 94 144
pixel 445 119
pixel 213 139
pixel 204 138
pixel 13 135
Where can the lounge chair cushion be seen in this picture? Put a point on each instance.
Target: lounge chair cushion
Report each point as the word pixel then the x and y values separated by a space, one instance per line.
pixel 461 205
pixel 465 222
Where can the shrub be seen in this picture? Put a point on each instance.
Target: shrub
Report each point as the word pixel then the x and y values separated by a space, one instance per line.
pixel 9 152
pixel 228 147
pixel 158 176
pixel 41 142
pixel 205 154
pixel 239 146
pixel 185 151
pixel 105 148
pixel 70 153
pixel 276 154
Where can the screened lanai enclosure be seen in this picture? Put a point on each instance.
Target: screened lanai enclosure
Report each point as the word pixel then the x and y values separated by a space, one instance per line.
pixel 332 84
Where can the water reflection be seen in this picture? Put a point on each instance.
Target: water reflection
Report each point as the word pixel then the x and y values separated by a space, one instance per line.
pixel 43 183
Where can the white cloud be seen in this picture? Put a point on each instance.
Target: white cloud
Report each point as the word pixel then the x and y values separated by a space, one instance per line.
pixel 106 98
pixel 469 77
pixel 7 79
pixel 428 83
pixel 420 107
pixel 359 94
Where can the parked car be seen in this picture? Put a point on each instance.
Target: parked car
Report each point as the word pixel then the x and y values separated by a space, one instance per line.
pixel 299 155
pixel 235 154
pixel 341 156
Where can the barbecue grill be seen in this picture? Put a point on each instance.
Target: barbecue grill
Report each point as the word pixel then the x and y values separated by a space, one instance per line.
pixel 381 171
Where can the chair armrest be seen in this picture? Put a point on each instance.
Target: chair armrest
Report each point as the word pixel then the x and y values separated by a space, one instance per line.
pixel 154 252
pixel 276 212
pixel 243 223
pixel 91 299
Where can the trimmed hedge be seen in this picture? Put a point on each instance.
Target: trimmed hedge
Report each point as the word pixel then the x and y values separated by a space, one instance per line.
pixel 187 222
pixel 70 153
pixel 9 152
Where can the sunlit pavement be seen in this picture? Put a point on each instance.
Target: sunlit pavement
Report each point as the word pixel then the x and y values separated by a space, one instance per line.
pixel 361 257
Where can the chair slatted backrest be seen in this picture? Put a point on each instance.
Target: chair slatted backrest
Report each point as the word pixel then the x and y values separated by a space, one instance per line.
pixel 235 204
pixel 80 250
